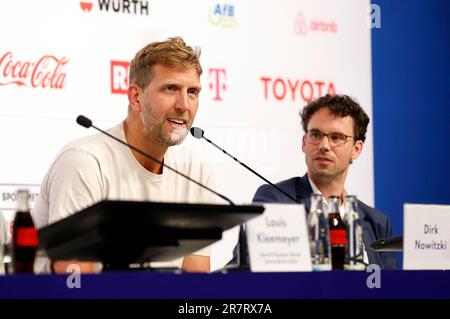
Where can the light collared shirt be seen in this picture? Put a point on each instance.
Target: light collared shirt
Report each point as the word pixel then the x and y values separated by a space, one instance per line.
pixel 325 202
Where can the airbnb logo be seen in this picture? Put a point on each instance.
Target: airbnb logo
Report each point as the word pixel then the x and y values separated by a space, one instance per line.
pixel 47 72
pixel 119 77
pixel 301 25
pixel 296 89
pixel 217 79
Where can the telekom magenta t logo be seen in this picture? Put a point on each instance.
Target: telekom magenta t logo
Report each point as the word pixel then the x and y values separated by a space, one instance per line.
pixel 217 79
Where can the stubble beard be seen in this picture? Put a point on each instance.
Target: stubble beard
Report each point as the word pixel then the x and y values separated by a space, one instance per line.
pixel 154 132
pixel 325 175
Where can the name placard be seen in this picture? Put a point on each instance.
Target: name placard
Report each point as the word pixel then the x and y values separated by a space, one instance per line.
pixel 278 240
pixel 426 239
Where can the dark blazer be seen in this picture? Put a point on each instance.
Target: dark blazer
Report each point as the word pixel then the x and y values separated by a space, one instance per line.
pixel 375 224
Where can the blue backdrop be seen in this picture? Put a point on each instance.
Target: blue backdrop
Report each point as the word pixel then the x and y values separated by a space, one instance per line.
pixel 411 105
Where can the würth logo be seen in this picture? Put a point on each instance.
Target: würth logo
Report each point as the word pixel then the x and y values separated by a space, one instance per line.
pixel 217 82
pixel 295 89
pixel 119 77
pixel 45 72
pixel 118 6
pixel 86 6
pixel 301 25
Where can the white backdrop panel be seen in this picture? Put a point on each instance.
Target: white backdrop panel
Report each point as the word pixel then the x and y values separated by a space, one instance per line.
pixel 262 60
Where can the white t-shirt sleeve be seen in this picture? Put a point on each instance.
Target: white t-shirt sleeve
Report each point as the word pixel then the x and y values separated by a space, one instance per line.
pixel 207 197
pixel 74 183
pixel 3 231
pixel 209 179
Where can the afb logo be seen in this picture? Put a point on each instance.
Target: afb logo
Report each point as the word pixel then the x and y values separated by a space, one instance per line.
pixel 223 15
pixel 135 7
pixel 217 82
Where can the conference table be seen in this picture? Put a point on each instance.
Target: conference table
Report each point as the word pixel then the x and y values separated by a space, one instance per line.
pixel 231 285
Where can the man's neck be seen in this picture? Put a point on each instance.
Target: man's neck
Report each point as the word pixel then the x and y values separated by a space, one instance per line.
pixel 329 186
pixel 147 146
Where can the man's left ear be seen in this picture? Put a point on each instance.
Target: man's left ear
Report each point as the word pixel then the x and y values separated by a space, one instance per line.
pixel 357 149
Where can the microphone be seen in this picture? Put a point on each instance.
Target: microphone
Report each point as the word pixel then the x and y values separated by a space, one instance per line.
pixel 87 123
pixel 242 256
pixel 394 243
pixel 84 121
pixel 200 134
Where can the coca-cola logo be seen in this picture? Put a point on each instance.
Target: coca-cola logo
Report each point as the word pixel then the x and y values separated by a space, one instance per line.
pixel 45 72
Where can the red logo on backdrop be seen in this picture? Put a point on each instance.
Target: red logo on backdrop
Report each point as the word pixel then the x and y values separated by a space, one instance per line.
pixel 119 77
pixel 301 25
pixel 295 89
pixel 118 6
pixel 217 79
pixel 45 72
pixel 86 6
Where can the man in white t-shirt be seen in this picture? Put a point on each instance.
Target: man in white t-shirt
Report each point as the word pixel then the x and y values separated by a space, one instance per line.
pixel 163 94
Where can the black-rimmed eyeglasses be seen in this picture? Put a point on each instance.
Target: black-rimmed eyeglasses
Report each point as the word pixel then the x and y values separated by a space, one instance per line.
pixel 335 139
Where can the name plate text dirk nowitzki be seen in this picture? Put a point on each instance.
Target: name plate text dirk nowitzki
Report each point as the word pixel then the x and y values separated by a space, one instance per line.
pixel 426 240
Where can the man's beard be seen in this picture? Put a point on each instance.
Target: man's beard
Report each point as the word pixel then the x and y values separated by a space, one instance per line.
pixel 153 130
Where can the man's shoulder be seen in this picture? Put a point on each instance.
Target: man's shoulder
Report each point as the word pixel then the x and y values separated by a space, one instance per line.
pixel 286 185
pixel 268 193
pixel 372 213
pixel 95 144
pixel 83 154
pixel 290 183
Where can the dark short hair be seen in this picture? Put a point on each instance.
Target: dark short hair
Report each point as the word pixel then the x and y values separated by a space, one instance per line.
pixel 338 105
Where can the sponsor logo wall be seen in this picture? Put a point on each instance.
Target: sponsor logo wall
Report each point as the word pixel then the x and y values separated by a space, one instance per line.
pixel 262 62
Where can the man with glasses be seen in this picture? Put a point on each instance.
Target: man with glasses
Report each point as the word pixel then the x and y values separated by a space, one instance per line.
pixel 335 130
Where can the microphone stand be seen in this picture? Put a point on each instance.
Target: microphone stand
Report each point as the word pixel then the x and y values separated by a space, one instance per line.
pixel 242 249
pixel 85 122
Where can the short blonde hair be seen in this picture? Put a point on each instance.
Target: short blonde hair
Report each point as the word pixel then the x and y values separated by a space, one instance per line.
pixel 173 53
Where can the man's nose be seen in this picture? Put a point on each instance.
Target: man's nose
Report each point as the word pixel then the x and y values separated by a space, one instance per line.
pixel 324 143
pixel 183 102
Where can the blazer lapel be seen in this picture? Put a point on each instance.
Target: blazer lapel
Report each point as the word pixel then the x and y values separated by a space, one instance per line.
pixel 303 192
pixel 368 238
